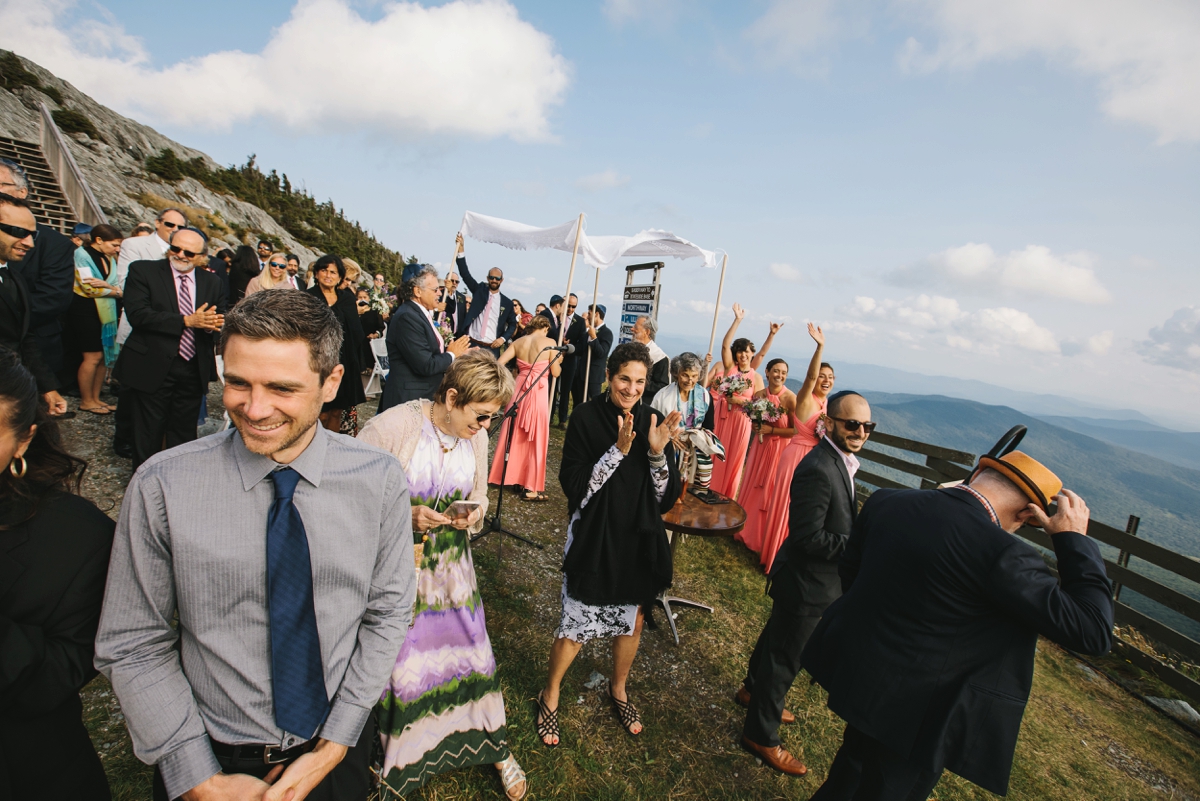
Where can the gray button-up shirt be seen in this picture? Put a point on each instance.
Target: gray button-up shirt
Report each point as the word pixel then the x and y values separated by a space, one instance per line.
pixel 192 539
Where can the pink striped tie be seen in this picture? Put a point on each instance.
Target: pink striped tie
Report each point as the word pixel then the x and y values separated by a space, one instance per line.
pixel 187 342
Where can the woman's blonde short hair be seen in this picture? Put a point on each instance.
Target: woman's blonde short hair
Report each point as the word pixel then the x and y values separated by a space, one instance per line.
pixel 353 271
pixel 264 278
pixel 478 378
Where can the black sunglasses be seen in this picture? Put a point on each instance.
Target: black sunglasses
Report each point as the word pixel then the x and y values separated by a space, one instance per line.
pixel 495 278
pixel 173 225
pixel 19 233
pixel 185 253
pixel 279 264
pixel 854 425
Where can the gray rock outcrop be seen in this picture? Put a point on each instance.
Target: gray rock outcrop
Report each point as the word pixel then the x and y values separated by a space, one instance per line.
pixel 114 167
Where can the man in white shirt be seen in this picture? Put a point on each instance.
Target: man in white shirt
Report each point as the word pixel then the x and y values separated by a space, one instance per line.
pixel 490 321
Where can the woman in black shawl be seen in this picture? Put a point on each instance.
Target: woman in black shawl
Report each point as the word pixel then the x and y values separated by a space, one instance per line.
pixel 619 478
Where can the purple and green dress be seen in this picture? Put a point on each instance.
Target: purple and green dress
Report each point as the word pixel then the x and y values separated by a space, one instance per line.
pixel 442 707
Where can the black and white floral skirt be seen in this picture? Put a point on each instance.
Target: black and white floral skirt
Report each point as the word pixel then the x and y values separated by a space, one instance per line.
pixel 582 622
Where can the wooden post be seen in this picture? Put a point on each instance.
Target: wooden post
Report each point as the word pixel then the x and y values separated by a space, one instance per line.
pixel 562 327
pixel 712 338
pixel 588 374
pixel 1131 528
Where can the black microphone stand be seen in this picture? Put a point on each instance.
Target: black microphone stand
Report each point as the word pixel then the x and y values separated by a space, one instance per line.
pixel 495 524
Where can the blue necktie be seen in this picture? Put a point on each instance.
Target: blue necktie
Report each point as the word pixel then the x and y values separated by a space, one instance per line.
pixel 298 680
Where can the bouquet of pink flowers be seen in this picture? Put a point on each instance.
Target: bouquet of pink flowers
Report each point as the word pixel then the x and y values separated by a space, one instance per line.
pixel 762 410
pixel 732 385
pixel 446 331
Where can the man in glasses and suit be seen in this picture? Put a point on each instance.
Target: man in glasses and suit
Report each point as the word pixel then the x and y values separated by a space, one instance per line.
pixel 804 577
pixel 48 272
pixel 418 356
pixel 18 233
pixel 490 320
pixel 169 358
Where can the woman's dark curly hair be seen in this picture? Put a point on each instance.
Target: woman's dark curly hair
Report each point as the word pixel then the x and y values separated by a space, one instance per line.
pixel 628 352
pixel 49 467
pixel 740 345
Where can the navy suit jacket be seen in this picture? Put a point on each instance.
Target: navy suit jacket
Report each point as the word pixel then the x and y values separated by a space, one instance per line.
pixel 930 650
pixel 506 326
pixel 416 363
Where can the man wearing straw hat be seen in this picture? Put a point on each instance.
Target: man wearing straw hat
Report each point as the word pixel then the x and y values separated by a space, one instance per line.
pixel 928 656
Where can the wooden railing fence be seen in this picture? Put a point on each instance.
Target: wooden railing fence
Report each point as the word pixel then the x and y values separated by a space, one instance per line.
pixel 74 186
pixel 934 465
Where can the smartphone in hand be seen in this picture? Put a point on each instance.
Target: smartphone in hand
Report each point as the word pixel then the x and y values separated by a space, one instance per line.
pixel 461 509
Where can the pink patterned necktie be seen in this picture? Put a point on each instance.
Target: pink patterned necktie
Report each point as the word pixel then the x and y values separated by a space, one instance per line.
pixel 187 342
pixel 487 316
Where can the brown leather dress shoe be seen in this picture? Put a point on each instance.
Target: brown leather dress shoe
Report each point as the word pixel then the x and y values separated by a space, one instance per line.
pixel 777 757
pixel 743 699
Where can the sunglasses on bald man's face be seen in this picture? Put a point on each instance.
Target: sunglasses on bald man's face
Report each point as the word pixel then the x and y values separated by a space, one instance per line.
pixel 172 225
pixel 854 425
pixel 496 278
pixel 187 254
pixel 19 233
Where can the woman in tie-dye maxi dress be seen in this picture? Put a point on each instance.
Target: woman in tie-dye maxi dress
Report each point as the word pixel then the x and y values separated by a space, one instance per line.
pixel 442 708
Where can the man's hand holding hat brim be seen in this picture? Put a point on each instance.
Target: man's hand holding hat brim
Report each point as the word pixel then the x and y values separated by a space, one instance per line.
pixel 1072 515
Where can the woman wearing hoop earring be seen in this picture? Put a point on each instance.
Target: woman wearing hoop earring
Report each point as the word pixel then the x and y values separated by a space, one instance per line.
pixel 58 545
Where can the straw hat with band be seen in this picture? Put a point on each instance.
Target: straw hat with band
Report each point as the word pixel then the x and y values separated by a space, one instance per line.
pixel 1033 478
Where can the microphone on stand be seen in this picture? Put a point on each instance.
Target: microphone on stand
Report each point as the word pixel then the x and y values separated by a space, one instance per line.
pixel 567 349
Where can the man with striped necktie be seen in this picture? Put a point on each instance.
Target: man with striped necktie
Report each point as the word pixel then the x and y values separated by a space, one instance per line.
pixel 169 359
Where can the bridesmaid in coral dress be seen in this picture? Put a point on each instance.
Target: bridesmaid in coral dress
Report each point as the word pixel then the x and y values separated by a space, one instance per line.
pixel 531 440
pixel 766 444
pixel 729 424
pixel 810 406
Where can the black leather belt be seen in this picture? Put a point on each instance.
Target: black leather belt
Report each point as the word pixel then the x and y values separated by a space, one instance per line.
pixel 266 754
pixel 479 344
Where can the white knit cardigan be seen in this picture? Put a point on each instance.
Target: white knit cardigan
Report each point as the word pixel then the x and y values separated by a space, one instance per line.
pixel 397 431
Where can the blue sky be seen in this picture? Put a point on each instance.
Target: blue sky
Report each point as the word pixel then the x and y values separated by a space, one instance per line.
pixel 1007 192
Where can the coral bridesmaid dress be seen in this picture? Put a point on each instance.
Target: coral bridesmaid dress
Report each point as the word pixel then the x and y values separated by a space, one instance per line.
pixel 775 522
pixel 759 485
pixel 531 440
pixel 733 429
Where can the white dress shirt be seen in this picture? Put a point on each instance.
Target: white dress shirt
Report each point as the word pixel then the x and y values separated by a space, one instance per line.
pixel 491 314
pixel 849 458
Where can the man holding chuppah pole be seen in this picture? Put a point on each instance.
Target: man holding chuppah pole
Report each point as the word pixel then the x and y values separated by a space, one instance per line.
pixel 620 477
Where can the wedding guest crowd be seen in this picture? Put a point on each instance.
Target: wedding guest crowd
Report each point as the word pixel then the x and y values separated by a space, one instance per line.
pixel 264 641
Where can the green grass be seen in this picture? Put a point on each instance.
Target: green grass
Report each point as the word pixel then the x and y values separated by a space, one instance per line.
pixel 1083 737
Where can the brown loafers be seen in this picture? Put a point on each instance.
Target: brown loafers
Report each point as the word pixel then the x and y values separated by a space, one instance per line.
pixel 777 758
pixel 743 699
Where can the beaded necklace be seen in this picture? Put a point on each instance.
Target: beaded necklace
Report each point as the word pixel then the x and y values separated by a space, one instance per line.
pixel 438 432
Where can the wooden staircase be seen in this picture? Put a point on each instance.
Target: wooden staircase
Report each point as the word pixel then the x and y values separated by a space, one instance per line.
pixel 50 205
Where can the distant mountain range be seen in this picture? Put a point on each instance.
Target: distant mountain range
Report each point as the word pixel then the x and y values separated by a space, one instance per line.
pixel 888 379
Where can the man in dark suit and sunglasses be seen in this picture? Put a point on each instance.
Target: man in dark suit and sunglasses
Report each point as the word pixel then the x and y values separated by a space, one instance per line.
pixel 804 577
pixel 169 359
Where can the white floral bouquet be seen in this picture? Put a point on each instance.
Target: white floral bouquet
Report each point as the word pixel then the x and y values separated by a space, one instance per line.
pixel 446 331
pixel 732 385
pixel 762 410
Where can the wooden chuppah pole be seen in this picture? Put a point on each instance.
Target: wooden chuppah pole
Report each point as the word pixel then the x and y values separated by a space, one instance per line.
pixel 562 325
pixel 588 374
pixel 712 338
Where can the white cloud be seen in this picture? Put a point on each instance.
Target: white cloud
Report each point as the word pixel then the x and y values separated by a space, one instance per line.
pixel 702 306
pixel 943 319
pixel 786 272
pixel 1175 343
pixel 1144 53
pixel 620 12
pixel 609 179
pixel 1032 271
pixel 789 31
pixel 470 67
pixel 1100 343
pixel 1005 326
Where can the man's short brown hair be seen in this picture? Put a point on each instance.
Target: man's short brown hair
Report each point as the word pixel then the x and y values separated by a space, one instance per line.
pixel 288 315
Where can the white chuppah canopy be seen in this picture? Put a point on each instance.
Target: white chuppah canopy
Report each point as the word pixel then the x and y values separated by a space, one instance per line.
pixel 599 251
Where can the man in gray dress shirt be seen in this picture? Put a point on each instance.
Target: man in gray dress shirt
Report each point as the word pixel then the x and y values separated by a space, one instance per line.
pixel 193 540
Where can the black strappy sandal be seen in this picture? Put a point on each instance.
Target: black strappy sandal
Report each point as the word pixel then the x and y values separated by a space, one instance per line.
pixel 546 722
pixel 627 714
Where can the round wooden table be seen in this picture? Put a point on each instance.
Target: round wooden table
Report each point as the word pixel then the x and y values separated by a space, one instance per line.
pixel 690 515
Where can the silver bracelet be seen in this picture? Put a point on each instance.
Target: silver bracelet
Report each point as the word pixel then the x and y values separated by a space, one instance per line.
pixel 658 460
